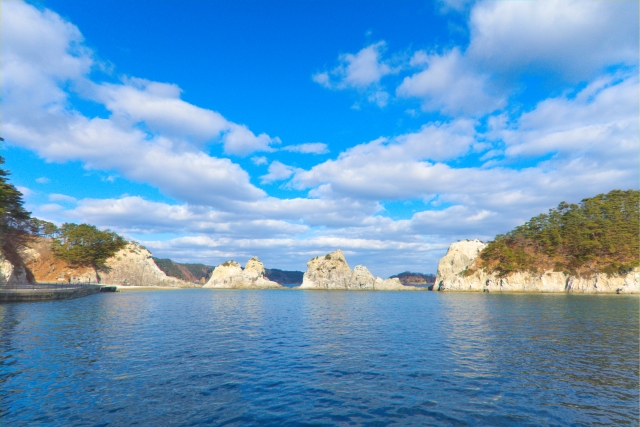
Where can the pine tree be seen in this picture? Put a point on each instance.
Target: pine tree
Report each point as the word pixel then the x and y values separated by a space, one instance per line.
pixel 85 246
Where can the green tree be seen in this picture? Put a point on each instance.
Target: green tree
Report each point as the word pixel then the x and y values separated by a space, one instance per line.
pixel 15 221
pixel 84 245
pixel 44 228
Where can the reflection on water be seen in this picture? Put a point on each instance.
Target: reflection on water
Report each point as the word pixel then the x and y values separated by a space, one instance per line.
pixel 202 357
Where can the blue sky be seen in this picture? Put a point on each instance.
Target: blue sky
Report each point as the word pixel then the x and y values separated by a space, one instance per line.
pixel 211 131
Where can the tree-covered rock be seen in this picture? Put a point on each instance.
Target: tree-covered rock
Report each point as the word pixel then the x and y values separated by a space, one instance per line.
pixel 598 235
pixel 84 245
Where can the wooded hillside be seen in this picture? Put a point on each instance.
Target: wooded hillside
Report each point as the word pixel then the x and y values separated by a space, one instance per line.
pixel 598 235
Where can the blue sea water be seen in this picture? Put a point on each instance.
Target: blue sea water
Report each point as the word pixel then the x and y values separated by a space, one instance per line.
pixel 311 358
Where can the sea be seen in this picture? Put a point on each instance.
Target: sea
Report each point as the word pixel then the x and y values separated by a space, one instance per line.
pixel 199 357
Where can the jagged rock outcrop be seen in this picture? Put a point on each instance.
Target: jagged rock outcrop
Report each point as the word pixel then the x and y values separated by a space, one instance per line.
pixel 230 275
pixel 11 274
pixel 457 272
pixel 131 266
pixel 332 272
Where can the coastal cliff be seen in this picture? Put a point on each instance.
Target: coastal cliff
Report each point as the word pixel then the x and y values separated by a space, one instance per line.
pixel 132 265
pixel 332 272
pixel 11 274
pixel 458 271
pixel 230 275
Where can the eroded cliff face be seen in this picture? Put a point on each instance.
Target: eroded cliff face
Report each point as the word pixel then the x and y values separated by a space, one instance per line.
pixel 332 272
pixel 131 266
pixel 230 275
pixel 11 274
pixel 455 274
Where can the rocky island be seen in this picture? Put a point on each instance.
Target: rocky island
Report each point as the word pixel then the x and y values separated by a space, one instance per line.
pixel 457 272
pixel 230 275
pixel 331 272
pixel 591 247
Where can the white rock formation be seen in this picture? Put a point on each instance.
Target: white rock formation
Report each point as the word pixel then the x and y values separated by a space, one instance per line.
pixel 231 276
pixel 134 266
pixel 332 272
pixel 454 276
pixel 131 266
pixel 11 274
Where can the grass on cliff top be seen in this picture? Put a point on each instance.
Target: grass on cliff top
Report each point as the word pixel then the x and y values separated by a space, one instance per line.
pixel 598 235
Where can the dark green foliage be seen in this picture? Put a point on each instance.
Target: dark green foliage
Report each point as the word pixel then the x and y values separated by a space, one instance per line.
pixel 44 228
pixel 15 221
pixel 187 272
pixel 327 256
pixel 601 234
pixel 85 246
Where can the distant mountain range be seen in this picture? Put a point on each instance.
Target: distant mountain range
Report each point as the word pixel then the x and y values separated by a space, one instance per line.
pixel 409 278
pixel 284 277
pixel 188 272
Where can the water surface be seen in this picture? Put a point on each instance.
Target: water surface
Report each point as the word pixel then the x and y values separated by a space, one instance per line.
pixel 293 358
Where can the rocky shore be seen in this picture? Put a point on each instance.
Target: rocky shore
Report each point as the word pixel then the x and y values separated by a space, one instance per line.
pixel 133 265
pixel 457 272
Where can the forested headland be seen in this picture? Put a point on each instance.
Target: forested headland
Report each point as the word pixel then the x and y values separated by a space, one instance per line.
pixel 598 235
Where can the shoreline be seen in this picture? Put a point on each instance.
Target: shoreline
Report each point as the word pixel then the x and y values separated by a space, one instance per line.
pixel 123 288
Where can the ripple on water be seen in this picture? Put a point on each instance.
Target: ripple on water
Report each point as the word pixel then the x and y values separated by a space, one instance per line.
pixel 198 357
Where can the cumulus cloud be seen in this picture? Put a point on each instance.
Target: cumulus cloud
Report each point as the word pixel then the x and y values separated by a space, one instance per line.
pixel 361 71
pixel 277 172
pixel 450 85
pixel 600 122
pixel 566 40
pixel 54 197
pixel 43 180
pixel 574 38
pixel 308 148
pixel 392 169
pixel 259 160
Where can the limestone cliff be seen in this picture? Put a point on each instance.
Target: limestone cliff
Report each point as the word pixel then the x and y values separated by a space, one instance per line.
pixel 332 272
pixel 230 275
pixel 131 266
pixel 11 274
pixel 457 272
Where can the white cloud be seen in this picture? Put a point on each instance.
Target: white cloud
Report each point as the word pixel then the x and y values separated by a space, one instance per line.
pixel 567 40
pixel 43 180
pixel 388 169
pixel 600 122
pixel 308 148
pixel 50 207
pixel 574 38
pixel 61 198
pixel 259 160
pixel 359 70
pixel 449 84
pixel 277 172
pixel 159 106
pixel 240 140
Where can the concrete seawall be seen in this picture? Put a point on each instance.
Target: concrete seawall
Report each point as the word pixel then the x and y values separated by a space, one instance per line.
pixel 22 295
